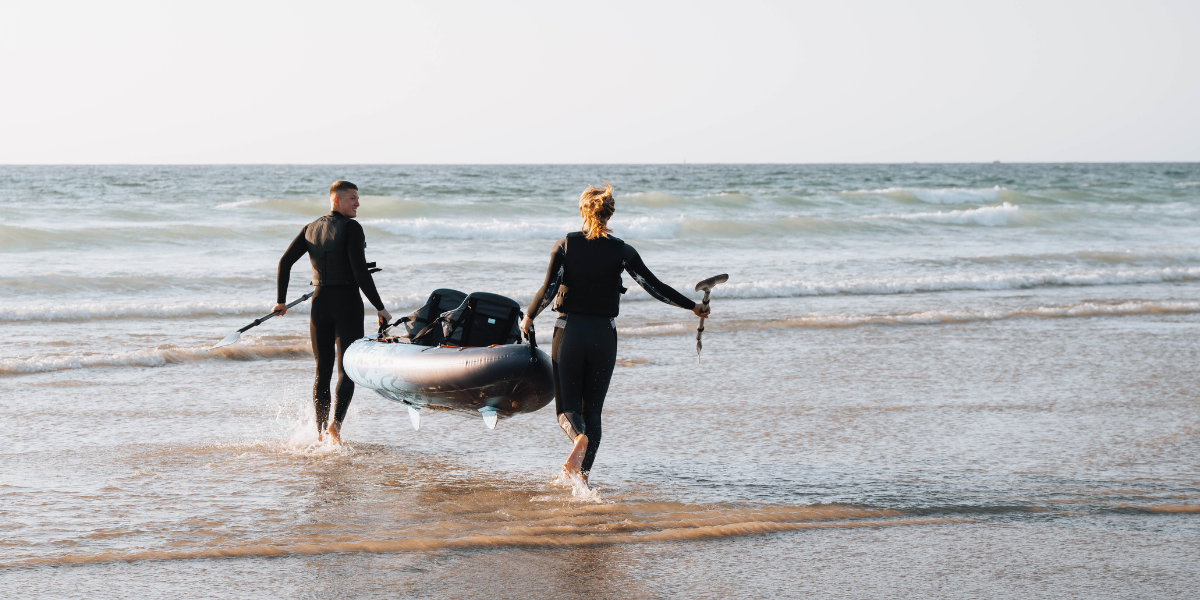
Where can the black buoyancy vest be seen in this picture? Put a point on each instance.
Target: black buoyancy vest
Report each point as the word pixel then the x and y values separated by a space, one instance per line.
pixel 327 250
pixel 591 276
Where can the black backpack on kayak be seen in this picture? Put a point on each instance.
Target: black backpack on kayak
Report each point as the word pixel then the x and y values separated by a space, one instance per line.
pixel 466 320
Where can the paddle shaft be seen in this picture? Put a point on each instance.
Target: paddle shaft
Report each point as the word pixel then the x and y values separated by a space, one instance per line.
pixel 700 329
pixel 262 320
pixel 707 285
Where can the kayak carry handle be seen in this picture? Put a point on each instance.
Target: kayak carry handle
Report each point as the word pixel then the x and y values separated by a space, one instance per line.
pixel 385 327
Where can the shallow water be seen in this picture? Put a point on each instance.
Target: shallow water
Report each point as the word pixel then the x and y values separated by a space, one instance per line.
pixel 922 380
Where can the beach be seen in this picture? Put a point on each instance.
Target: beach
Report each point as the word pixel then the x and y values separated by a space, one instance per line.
pixel 921 380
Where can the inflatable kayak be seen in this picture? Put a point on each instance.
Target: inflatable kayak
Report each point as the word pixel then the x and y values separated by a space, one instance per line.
pixel 470 359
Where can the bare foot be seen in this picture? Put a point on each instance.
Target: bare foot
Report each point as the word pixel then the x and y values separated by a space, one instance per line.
pixel 575 459
pixel 335 431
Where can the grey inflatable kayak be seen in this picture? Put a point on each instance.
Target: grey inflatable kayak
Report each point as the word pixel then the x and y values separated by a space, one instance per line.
pixel 493 382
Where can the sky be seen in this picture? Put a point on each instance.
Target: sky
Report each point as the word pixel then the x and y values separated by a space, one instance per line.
pixel 123 82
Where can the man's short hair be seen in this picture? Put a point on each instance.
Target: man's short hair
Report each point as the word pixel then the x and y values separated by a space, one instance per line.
pixel 341 186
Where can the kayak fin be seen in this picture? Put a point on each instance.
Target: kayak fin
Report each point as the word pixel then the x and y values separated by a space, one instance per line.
pixel 414 417
pixel 490 415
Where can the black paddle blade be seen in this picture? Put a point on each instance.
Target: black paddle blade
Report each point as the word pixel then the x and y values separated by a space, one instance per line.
pixel 711 282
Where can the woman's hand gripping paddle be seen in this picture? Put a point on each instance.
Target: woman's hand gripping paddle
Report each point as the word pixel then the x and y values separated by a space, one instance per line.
pixel 233 337
pixel 707 285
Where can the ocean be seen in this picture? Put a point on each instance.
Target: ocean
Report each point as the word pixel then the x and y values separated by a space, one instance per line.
pixel 921 380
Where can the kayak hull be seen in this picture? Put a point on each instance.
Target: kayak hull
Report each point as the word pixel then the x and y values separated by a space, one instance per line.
pixel 503 380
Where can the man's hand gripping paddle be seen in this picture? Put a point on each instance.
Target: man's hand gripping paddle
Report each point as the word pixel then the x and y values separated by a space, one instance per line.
pixel 707 285
pixel 233 337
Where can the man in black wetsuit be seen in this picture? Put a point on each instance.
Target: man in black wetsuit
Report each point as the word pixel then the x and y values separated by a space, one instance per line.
pixel 336 246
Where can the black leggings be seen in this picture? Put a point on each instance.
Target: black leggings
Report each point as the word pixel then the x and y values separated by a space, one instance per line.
pixel 336 322
pixel 584 354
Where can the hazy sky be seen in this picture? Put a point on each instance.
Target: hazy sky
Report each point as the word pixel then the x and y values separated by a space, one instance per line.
pixel 599 82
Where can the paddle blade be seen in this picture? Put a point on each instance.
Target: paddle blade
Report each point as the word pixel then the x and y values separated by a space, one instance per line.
pixel 229 339
pixel 709 283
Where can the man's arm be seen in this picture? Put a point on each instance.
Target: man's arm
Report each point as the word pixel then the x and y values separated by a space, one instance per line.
pixel 356 245
pixel 283 276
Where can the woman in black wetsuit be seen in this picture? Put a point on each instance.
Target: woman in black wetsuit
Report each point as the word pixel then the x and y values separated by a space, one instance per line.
pixel 584 281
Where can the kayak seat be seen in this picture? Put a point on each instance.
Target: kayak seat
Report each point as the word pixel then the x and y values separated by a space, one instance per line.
pixel 483 319
pixel 440 301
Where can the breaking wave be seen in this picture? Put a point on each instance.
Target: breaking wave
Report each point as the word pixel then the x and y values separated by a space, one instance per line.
pixel 53 283
pixel 152 357
pixel 174 233
pixel 951 195
pixel 172 310
pixel 519 229
pixel 1110 257
pixel 957 282
pixel 296 346
pixel 936 317
pixel 650 198
pixel 988 216
pixel 749 289
pixel 125 310
pixel 372 206
pixel 932 317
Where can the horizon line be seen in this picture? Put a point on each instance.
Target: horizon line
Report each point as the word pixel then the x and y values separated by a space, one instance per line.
pixel 583 164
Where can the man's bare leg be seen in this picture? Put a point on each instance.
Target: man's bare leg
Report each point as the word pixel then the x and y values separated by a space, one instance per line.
pixel 335 431
pixel 575 459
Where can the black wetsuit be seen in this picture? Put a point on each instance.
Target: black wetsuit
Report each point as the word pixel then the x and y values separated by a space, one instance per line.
pixel 585 278
pixel 336 247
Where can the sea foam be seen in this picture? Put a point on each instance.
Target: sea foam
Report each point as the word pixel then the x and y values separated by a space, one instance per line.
pixel 151 357
pixel 371 207
pixel 762 288
pixel 931 317
pixel 955 282
pixel 520 229
pixel 125 310
pixel 951 195
pixel 988 216
pixel 173 310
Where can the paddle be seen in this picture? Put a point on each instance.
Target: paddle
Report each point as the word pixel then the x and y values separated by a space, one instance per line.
pixel 707 285
pixel 233 337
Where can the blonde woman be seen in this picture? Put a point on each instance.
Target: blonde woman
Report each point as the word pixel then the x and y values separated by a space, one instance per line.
pixel 584 281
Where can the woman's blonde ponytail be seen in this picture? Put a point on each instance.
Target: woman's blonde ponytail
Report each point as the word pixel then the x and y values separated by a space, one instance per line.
pixel 597 205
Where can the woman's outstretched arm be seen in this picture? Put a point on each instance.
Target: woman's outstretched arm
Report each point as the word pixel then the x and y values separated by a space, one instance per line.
pixel 661 291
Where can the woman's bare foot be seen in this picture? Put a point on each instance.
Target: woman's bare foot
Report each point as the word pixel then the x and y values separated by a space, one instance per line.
pixel 575 459
pixel 335 430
